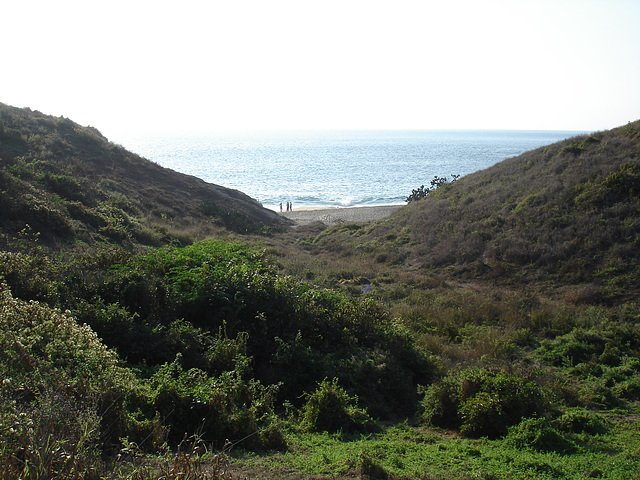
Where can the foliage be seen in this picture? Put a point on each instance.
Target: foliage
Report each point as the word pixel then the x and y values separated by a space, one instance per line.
pixel 545 435
pixel 369 468
pixel 538 434
pixel 331 409
pixel 605 357
pixel 221 408
pixel 402 451
pixel 192 460
pixel 58 383
pixel 217 330
pixel 578 420
pixel 437 182
pixel 65 390
pixel 482 403
pixel 187 300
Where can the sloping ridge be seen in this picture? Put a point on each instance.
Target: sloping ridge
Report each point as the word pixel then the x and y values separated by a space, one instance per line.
pixel 67 181
pixel 565 213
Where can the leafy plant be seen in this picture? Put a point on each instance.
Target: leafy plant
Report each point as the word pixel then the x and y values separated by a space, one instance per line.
pixel 482 402
pixel 539 434
pixel 331 409
pixel 58 383
pixel 421 192
pixel 578 420
pixel 224 407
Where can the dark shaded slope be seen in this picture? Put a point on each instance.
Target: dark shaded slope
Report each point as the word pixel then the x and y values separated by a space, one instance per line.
pixel 566 213
pixel 63 182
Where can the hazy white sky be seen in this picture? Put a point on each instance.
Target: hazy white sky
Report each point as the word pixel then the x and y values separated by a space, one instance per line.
pixel 134 65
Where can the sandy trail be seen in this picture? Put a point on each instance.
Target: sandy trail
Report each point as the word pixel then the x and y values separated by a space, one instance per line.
pixel 336 215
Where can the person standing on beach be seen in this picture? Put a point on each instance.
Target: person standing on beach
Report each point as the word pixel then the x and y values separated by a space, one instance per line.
pixel 280 206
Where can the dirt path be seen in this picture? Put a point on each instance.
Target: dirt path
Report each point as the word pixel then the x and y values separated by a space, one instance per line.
pixel 336 215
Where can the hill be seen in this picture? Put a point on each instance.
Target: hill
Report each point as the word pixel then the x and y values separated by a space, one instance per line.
pixel 64 183
pixel 560 215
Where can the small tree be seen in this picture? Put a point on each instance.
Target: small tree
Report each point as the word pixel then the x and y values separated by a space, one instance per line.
pixel 422 191
pixel 330 409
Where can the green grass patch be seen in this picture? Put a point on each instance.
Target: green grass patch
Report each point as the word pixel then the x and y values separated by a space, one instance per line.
pixel 406 452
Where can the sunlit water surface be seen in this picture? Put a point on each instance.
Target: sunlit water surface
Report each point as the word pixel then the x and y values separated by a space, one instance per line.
pixel 334 168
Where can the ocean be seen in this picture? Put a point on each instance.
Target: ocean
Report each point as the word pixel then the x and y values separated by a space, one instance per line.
pixel 334 168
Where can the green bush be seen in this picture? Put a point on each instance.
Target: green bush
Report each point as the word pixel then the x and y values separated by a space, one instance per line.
pixel 482 402
pixel 598 393
pixel 578 346
pixel 42 216
pixel 538 434
pixel 122 330
pixel 63 185
pixel 624 378
pixel 227 354
pixel 578 420
pixel 60 384
pixel 222 408
pixel 422 191
pixel 441 402
pixel 30 276
pixel 628 389
pixel 226 312
pixel 611 342
pixel 483 415
pixel 331 409
pixel 53 436
pixel 295 333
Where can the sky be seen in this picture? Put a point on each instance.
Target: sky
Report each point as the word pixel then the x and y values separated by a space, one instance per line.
pixel 136 66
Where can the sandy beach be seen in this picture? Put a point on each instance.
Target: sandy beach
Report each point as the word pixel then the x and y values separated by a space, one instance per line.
pixel 336 215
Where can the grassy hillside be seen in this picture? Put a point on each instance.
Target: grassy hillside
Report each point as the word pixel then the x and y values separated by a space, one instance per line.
pixel 63 183
pixel 559 216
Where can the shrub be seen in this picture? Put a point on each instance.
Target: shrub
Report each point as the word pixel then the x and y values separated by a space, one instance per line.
pixel 576 347
pixel 51 437
pixel 28 275
pixel 482 402
pixel 271 436
pixel 331 409
pixel 628 389
pixel 440 404
pixel 482 416
pixel 578 420
pixel 121 330
pixel 224 407
pixel 294 332
pixel 62 390
pixel 63 185
pixel 538 434
pixel 226 354
pixel 43 216
pixel 595 392
pixel 422 191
